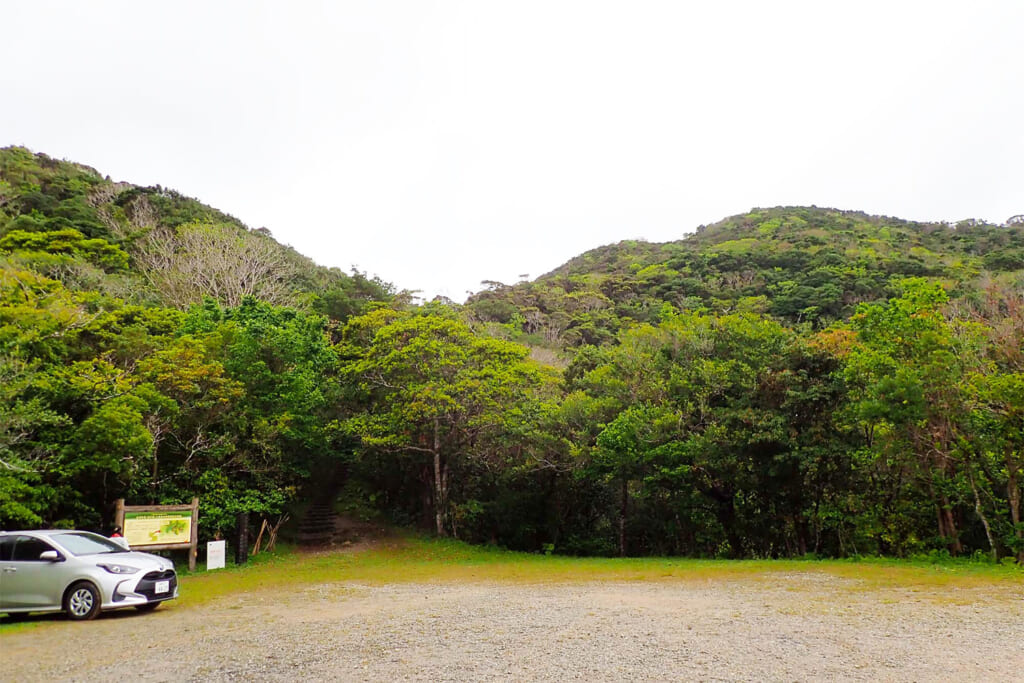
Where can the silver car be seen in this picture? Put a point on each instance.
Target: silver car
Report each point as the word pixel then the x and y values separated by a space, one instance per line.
pixel 79 573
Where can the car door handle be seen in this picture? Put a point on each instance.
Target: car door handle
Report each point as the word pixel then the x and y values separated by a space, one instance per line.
pixel 10 570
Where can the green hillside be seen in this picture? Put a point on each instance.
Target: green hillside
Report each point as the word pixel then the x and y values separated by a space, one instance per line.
pixel 152 245
pixel 787 382
pixel 797 264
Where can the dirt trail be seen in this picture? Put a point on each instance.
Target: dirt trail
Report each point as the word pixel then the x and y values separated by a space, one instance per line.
pixel 800 626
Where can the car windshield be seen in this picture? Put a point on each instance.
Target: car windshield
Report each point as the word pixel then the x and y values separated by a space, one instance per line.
pixel 87 544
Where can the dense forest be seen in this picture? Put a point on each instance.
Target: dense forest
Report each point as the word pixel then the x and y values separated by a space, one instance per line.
pixel 786 382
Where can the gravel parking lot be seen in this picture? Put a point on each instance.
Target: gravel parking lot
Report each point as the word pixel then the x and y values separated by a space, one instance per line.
pixel 801 626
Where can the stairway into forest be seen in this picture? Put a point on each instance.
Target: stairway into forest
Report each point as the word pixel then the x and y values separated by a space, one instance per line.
pixel 321 526
pixel 318 526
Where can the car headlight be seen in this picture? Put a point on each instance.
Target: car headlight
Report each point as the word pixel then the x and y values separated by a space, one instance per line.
pixel 118 568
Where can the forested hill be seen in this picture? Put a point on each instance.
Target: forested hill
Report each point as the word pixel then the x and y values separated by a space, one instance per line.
pixel 785 382
pixel 154 246
pixel 798 264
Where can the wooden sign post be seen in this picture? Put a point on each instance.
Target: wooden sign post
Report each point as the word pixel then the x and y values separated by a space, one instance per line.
pixel 161 527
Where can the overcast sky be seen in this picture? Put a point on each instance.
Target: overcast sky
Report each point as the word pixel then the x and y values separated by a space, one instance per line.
pixel 438 144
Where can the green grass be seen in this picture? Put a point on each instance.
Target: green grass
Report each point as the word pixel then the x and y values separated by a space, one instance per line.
pixel 420 560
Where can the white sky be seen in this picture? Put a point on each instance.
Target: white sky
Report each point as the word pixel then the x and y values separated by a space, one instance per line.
pixel 438 144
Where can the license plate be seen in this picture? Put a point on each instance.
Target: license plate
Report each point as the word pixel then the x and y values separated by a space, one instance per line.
pixel 162 587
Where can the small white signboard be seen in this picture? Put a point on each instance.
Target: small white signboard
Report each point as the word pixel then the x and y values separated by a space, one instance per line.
pixel 215 554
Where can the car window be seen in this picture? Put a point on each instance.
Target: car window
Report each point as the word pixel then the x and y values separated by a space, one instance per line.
pixel 28 549
pixel 80 543
pixel 6 548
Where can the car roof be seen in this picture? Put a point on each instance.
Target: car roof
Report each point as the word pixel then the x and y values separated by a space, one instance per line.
pixel 46 532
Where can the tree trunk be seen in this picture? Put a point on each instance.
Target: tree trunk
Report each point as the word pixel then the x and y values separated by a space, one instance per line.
pixel 947 526
pixel 152 479
pixel 439 486
pixel 725 510
pixel 444 493
pixel 984 519
pixel 802 532
pixel 427 497
pixel 622 517
pixel 157 432
pixel 1013 495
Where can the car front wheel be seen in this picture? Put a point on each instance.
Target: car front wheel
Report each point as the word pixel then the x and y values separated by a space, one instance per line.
pixel 82 602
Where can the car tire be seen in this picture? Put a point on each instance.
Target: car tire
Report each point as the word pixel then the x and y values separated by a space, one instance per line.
pixel 82 601
pixel 148 607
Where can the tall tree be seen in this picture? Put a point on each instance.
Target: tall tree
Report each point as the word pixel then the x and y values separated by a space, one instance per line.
pixel 910 369
pixel 428 387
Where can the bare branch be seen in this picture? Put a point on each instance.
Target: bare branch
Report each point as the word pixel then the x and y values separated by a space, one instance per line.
pixel 218 261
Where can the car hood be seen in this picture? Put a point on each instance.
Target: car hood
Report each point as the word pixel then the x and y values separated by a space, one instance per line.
pixel 134 558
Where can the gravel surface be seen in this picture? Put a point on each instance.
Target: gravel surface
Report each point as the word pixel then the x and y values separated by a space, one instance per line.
pixel 802 626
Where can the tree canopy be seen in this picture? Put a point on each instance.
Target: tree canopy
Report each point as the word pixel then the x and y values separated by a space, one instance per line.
pixel 785 382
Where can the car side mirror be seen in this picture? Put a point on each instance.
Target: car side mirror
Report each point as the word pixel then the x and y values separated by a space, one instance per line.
pixel 50 556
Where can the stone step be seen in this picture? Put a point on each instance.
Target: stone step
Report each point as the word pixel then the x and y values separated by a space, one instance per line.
pixel 318 526
pixel 325 521
pixel 316 539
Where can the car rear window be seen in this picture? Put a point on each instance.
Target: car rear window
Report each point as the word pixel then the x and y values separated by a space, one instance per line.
pixel 87 544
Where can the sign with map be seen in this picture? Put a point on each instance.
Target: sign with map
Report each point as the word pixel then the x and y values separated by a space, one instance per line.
pixel 160 527
pixel 157 528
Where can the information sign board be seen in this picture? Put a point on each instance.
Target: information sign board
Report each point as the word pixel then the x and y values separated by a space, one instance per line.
pixel 143 529
pixel 161 527
pixel 215 551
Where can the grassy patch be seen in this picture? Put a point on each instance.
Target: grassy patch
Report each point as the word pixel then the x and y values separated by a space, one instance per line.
pixel 416 560
pixel 423 560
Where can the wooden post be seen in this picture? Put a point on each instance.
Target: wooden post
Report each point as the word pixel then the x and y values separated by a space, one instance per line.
pixel 242 546
pixel 259 537
pixel 194 550
pixel 119 514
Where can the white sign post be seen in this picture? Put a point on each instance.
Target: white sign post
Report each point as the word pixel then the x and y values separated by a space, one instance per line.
pixel 215 555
